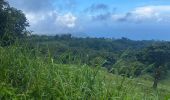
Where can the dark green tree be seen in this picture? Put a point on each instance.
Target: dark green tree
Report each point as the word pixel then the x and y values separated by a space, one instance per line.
pixel 157 55
pixel 13 23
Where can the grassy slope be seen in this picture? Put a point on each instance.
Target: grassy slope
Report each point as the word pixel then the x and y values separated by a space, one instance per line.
pixel 24 74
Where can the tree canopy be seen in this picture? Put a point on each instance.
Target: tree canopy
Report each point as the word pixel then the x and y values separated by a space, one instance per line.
pixel 13 23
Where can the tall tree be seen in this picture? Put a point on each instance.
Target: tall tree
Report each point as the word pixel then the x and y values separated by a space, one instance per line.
pixel 158 56
pixel 13 23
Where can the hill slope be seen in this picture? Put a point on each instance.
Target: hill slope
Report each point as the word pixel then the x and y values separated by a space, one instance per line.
pixel 24 74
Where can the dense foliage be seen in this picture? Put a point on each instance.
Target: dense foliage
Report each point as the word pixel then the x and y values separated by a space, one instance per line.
pixel 65 67
pixel 25 74
pixel 13 23
pixel 120 55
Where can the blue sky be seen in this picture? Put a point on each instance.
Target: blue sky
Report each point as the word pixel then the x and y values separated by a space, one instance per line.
pixel 134 19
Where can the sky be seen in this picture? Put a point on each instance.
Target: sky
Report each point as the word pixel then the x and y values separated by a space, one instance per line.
pixel 134 19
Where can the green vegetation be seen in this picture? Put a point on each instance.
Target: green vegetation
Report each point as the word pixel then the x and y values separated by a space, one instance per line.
pixel 13 23
pixel 25 74
pixel 69 68
pixel 132 58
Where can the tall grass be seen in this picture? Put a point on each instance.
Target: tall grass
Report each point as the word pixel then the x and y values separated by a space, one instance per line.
pixel 25 74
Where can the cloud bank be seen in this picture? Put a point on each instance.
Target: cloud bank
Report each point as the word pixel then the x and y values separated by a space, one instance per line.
pixel 96 19
pixel 145 14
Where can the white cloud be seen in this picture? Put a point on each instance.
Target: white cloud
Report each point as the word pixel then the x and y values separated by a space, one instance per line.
pixel 68 20
pixel 35 18
pixel 162 8
pixel 152 12
pixel 145 13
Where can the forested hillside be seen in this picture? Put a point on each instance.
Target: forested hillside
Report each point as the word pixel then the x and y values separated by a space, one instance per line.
pixel 65 67
pixel 130 57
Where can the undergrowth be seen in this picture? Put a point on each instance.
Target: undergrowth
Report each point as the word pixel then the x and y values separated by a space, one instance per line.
pixel 25 74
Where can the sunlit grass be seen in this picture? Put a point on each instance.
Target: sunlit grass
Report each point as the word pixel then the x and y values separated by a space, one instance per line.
pixel 24 74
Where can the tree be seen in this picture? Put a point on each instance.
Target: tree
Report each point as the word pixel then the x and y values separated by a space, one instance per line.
pixel 109 62
pixel 13 23
pixel 157 55
pixel 3 4
pixel 66 36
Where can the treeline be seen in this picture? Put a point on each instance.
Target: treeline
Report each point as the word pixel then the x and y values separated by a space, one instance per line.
pixel 122 56
pixel 107 52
